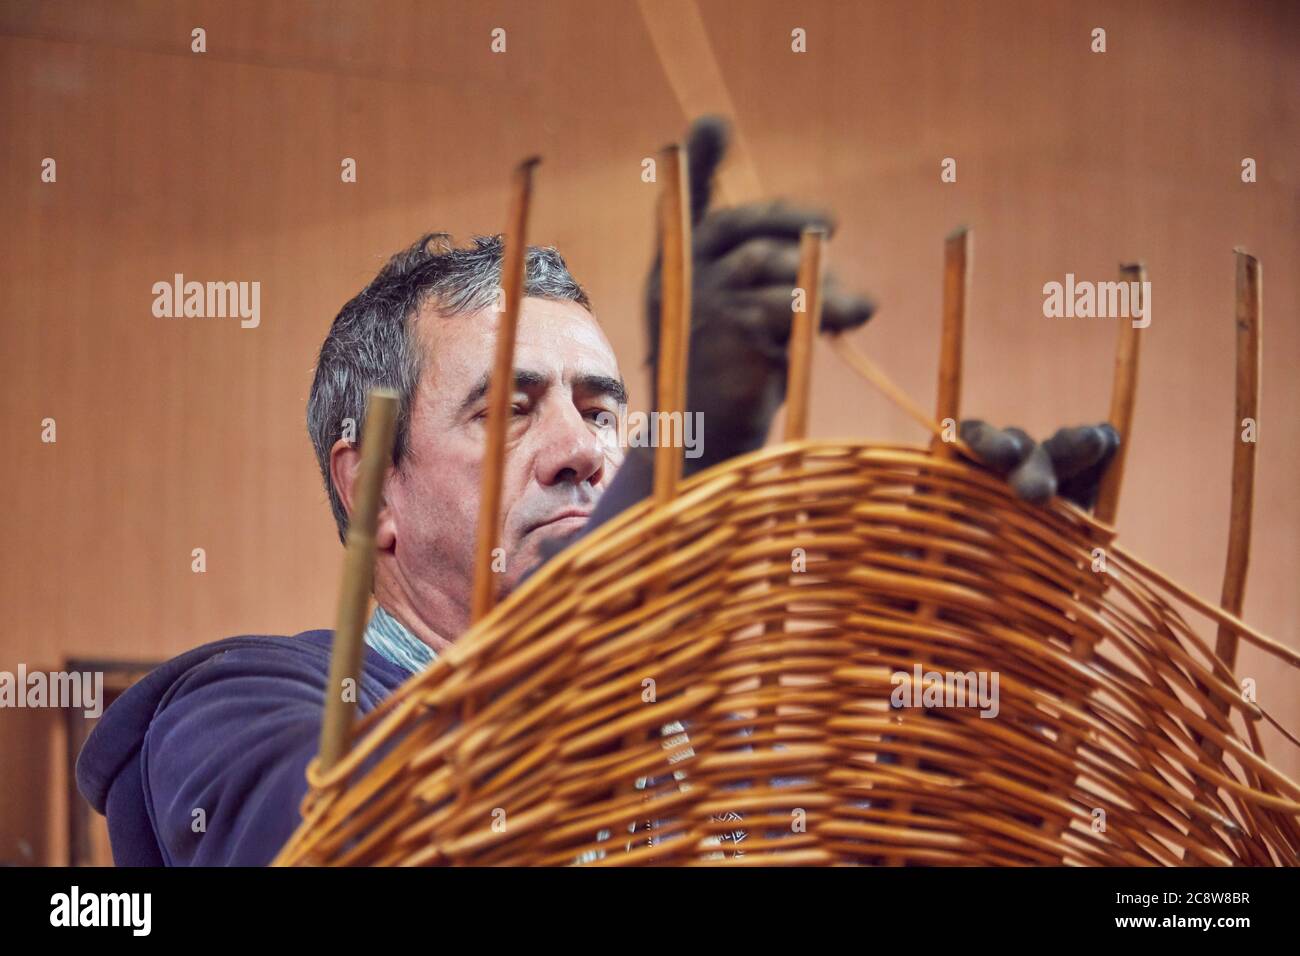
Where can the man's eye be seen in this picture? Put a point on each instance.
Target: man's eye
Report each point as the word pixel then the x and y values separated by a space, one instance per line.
pixel 516 408
pixel 594 415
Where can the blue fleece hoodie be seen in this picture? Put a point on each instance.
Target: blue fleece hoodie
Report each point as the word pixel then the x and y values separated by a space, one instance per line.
pixel 203 762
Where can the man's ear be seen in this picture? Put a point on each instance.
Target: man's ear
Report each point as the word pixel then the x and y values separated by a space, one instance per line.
pixel 345 462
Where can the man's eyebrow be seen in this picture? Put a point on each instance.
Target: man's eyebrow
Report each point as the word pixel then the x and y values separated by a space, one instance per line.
pixel 525 379
pixel 601 385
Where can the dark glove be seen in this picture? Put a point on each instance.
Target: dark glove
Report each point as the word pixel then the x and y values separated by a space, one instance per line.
pixel 745 266
pixel 1070 463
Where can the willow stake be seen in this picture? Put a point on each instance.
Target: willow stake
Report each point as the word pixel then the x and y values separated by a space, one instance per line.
pixel 358 577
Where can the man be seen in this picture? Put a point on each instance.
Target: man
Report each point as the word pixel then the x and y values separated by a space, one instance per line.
pixel 203 762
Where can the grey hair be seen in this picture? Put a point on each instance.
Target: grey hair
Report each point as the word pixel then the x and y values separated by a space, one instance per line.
pixel 370 344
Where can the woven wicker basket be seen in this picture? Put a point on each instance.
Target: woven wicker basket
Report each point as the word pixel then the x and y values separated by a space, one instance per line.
pixel 780 661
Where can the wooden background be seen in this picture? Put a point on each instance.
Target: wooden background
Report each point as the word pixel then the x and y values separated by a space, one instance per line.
pixel 180 434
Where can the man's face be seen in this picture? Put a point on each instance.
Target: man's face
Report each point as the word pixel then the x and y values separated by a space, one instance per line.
pixel 558 459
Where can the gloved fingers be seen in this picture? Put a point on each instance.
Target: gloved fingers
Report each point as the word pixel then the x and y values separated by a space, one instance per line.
pixel 773 262
pixel 763 318
pixel 1074 450
pixel 725 229
pixel 706 144
pixel 767 312
pixel 758 262
pixel 1033 479
pixel 842 311
pixel 1010 452
pixel 1070 463
pixel 1082 487
pixel 1001 449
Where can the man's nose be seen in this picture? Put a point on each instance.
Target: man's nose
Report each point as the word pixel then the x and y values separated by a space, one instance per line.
pixel 571 449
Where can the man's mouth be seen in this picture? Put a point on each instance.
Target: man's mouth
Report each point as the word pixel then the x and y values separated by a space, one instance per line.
pixel 567 520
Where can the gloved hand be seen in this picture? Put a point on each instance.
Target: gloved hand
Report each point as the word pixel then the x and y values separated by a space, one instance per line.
pixel 1070 463
pixel 744 269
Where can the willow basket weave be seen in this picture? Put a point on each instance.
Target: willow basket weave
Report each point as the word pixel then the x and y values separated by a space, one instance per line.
pixel 776 605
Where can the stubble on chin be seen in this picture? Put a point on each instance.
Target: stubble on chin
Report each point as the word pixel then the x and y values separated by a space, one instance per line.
pixel 541 545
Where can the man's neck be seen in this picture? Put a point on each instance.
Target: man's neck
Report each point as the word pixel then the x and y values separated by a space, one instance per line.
pixel 395 601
